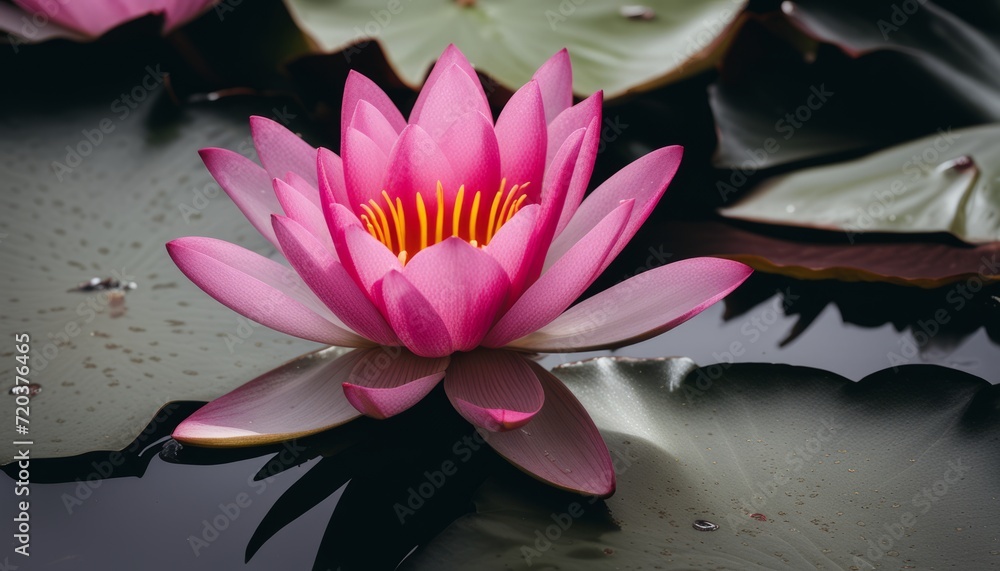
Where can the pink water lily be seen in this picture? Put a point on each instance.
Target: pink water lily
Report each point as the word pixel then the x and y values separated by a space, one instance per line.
pixel 40 20
pixel 443 247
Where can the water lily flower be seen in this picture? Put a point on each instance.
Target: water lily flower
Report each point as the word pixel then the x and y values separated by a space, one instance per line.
pixel 445 247
pixel 40 20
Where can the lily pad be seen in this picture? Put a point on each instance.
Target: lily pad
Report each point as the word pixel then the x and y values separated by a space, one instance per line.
pixel 615 48
pixel 921 262
pixel 798 468
pixel 946 182
pixel 93 190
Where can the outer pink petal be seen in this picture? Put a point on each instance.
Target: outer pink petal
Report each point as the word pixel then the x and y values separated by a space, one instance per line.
pixel 282 151
pixel 360 88
pixel 464 285
pixel 555 78
pixel 259 288
pixel 412 317
pixel 367 259
pixel 451 56
pixel 645 180
pixel 563 283
pixel 494 390
pixel 305 188
pixel 365 166
pixel 331 282
pixel 299 398
pixel 470 145
pixel 85 17
pixel 560 445
pixel 522 135
pixel 247 185
pixel 451 96
pixel 303 211
pixel 639 308
pixel 370 121
pixel 388 380
pixel 332 190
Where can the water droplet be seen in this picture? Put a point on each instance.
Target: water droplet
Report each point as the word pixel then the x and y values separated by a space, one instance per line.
pixel 759 517
pixel 704 525
pixel 637 12
pixel 790 208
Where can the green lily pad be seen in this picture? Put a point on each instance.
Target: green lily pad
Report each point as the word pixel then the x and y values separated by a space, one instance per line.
pixel 612 48
pixel 799 468
pixel 946 182
pixel 108 360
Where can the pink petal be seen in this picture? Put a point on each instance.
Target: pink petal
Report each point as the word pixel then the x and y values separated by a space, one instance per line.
pixel 301 397
pixel 331 282
pixel 645 180
pixel 365 166
pixel 463 284
pixel 370 121
pixel 412 317
pixel 581 173
pixel 494 390
pixel 417 164
pixel 247 185
pixel 560 445
pixel 282 151
pixel 556 289
pixel 332 190
pixel 576 117
pixel 639 308
pixel 366 259
pixel 300 209
pixel 453 95
pixel 515 246
pixel 91 20
pixel 470 145
pixel 555 78
pixel 305 188
pixel 522 135
pixel 388 380
pixel 259 288
pixel 360 88
pixel 12 21
pixel 451 56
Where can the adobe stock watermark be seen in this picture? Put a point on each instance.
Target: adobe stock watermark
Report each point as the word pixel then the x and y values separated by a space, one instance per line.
pixel 364 35
pixel 563 12
pixel 544 539
pixel 122 107
pixel 203 197
pixel 898 17
pixel 787 126
pixel 922 503
pixel 33 24
pixel 228 512
pixel 418 495
pixel 752 329
pixel 880 207
pixel 706 35
pixel 795 460
pixel 957 298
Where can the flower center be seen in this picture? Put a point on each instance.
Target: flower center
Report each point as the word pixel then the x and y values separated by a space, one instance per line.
pixel 407 228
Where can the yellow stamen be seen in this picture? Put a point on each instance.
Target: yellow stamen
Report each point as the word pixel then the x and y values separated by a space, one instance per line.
pixel 456 215
pixel 439 235
pixel 506 203
pixel 493 211
pixel 517 206
pixel 384 221
pixel 402 258
pixel 472 218
pixel 422 217
pixel 373 227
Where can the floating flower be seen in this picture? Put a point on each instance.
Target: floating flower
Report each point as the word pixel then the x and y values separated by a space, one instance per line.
pixel 40 20
pixel 445 247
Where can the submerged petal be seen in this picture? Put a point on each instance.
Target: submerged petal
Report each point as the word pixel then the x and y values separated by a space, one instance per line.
pixel 561 444
pixel 388 380
pixel 639 308
pixel 494 390
pixel 301 397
